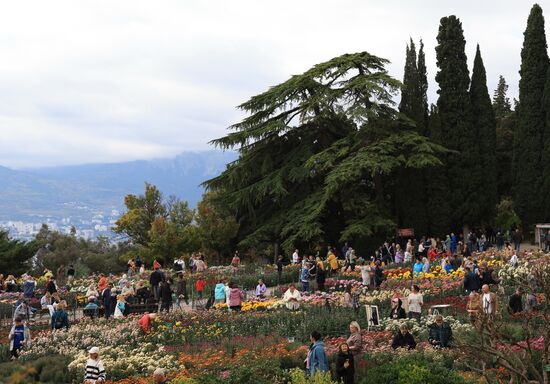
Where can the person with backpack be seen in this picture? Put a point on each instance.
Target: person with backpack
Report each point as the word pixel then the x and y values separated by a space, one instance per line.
pixel 60 319
pixel 19 337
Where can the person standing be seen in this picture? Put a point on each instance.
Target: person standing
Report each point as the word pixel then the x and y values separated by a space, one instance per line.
pixel 94 371
pixel 321 274
pixel 304 277
pixel 499 241
pixel 295 257
pixel 280 266
pixel 71 272
pixel 166 296
pixel 547 242
pixel 181 290
pixel 102 283
pixel 488 301
pixel 355 341
pixel 199 286
pixel 316 360
pixel 471 283
pixel 397 311
pixel 179 265
pixel 29 287
pixel 155 279
pixel 19 337
pixel 415 303
pixel 106 298
pixel 516 238
pixel 345 365
pixel 219 292
pixel 236 297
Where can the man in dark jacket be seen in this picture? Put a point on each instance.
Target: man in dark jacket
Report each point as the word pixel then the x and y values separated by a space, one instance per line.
pixel 155 279
pixel 403 339
pixel 106 298
pixel 440 334
pixel 471 283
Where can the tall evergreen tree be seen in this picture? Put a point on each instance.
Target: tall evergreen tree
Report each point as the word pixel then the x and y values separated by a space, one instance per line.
pixel 528 138
pixel 437 185
pixel 316 154
pixel 501 103
pixel 422 122
pixel 454 110
pixel 485 124
pixel 409 192
pixel 544 196
pixel 506 121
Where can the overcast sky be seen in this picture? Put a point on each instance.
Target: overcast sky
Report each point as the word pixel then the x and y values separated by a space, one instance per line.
pixel 105 81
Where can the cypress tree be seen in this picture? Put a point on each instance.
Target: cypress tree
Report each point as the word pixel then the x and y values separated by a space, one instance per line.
pixel 411 192
pixel 437 185
pixel 410 200
pixel 422 121
pixel 483 119
pixel 501 103
pixel 454 110
pixel 506 120
pixel 528 138
pixel 545 202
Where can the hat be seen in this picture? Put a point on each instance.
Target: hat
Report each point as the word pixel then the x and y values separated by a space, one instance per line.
pixel 159 372
pixel 94 350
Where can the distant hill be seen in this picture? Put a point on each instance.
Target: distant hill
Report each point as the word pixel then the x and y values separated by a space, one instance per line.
pixel 69 190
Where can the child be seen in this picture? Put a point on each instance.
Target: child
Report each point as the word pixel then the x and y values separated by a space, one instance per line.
pixel 199 285
pixel 19 337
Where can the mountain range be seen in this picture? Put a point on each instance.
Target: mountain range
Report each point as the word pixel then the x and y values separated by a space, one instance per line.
pixel 69 191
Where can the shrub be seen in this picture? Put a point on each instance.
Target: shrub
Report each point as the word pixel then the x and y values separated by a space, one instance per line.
pixel 414 368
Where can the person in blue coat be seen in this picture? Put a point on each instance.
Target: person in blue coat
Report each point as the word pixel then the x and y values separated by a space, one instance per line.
pixel 316 358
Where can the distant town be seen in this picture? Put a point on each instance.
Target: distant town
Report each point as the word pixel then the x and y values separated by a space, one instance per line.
pixel 87 226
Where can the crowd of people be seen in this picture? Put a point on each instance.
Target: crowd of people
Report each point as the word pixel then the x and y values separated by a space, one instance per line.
pixel 116 297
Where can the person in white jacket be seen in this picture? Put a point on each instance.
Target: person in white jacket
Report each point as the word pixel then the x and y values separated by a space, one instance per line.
pixel 292 298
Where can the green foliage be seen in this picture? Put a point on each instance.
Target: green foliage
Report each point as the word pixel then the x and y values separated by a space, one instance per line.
pixel 412 369
pixel 142 211
pixel 463 167
pixel 312 143
pixel 15 254
pixel 528 139
pixel 506 216
pixel 216 226
pixel 56 249
pixel 410 194
pixel 506 121
pixel 485 124
pixel 298 376
pixel 49 370
pixel 501 103
pixel 161 230
pixel 437 185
